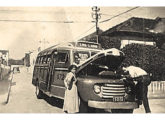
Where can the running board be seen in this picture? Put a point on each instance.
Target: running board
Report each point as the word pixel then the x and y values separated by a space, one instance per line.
pixel 51 95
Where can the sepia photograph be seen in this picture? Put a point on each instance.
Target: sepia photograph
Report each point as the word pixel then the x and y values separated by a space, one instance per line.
pixel 88 59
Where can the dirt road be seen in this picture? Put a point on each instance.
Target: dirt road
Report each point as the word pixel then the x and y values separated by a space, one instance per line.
pixel 23 99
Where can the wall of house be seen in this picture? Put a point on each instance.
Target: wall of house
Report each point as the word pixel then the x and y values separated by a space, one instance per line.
pixel 116 40
pixel 126 42
pixel 4 57
pixel 4 71
pixel 127 37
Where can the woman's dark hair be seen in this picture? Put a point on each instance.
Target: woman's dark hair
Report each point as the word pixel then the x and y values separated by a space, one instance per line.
pixel 71 67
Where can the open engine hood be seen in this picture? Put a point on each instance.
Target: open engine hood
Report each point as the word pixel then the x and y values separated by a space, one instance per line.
pixel 111 58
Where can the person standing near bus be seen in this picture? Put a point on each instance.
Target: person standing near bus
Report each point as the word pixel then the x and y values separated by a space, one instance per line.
pixel 143 80
pixel 71 99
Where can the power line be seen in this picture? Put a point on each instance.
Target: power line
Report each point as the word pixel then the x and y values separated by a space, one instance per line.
pixel 106 14
pixel 43 11
pixel 48 21
pixel 85 32
pixel 119 14
pixel 53 21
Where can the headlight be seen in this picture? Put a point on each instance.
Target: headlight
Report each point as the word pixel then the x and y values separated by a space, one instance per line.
pixel 97 89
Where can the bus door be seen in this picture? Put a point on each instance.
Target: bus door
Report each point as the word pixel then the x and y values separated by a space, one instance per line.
pixel 43 76
pixel 46 70
pixel 50 72
pixel 61 63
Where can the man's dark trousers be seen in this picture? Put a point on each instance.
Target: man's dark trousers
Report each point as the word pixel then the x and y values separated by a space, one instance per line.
pixel 142 91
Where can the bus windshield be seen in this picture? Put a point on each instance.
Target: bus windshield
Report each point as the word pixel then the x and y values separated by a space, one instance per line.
pixel 80 56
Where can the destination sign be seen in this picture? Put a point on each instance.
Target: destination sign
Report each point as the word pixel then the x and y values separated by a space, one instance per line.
pixel 88 45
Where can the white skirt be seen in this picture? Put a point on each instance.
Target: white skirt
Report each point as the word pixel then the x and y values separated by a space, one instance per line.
pixel 71 100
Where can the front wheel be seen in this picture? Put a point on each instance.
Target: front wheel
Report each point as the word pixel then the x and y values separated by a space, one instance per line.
pixel 38 92
pixel 122 110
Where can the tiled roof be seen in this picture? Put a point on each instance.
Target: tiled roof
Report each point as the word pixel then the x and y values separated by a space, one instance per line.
pixel 134 24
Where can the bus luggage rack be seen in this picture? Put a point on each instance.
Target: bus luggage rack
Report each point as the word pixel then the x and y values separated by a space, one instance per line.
pixel 111 90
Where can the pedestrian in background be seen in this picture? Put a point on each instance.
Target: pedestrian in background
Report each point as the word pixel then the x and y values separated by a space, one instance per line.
pixel 71 99
pixel 141 88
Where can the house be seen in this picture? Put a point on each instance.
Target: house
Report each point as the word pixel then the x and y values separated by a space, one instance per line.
pixel 27 60
pixel 160 28
pixel 135 30
pixel 4 57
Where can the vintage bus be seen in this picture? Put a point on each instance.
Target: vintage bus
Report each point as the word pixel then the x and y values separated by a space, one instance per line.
pixel 99 86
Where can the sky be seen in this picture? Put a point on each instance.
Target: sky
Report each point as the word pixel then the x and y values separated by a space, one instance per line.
pixel 22 37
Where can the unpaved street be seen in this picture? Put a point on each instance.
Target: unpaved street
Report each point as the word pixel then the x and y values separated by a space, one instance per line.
pixel 23 99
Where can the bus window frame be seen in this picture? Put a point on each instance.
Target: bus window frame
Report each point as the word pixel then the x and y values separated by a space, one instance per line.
pixel 48 59
pixel 37 60
pixel 80 51
pixel 64 64
pixel 43 59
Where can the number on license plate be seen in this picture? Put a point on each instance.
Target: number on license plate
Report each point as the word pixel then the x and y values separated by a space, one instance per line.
pixel 118 99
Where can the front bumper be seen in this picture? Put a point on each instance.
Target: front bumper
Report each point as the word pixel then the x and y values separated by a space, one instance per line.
pixel 112 105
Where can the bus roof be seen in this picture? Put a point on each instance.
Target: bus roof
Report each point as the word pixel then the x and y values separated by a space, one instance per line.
pixel 80 45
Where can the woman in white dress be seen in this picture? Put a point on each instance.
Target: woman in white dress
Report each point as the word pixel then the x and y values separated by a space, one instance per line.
pixel 71 99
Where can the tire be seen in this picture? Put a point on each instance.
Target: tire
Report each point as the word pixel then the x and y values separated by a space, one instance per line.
pixel 122 110
pixel 38 92
pixel 96 110
pixel 83 106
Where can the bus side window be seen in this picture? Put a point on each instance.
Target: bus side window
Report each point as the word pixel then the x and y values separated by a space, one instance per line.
pixel 61 59
pixel 48 60
pixel 41 59
pixel 44 59
pixel 37 60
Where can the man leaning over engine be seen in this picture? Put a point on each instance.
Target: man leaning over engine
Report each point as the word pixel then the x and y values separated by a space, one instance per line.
pixel 141 88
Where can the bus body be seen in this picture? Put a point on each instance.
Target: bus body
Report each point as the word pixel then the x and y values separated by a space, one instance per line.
pixel 98 84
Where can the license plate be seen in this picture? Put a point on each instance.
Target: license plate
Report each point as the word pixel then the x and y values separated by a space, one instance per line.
pixel 118 99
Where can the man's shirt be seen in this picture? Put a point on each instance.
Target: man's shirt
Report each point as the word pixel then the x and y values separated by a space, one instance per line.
pixel 135 71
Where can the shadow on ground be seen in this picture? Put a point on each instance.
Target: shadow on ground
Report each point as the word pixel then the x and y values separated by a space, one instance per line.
pixel 56 102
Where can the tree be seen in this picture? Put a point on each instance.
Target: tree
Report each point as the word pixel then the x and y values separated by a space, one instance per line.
pixel 149 58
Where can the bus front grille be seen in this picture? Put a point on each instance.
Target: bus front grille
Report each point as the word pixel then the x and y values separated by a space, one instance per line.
pixel 111 90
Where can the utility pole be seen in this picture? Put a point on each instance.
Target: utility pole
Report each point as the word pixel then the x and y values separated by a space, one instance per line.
pixel 44 42
pixel 96 16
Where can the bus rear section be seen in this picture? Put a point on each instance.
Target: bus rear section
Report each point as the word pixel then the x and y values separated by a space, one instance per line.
pixel 48 76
